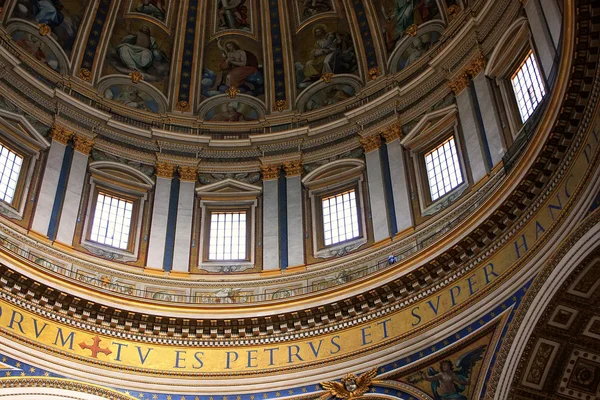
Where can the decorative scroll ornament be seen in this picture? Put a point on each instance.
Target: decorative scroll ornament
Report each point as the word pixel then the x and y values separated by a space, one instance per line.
pixel 412 30
pixel 374 73
pixel 83 144
pixel 453 11
pixel 370 143
pixel 326 77
pixel 477 65
pixel 280 105
pixel 459 84
pixel 44 29
pixel 393 132
pixel 182 106
pixel 61 134
pixel 136 76
pixel 232 91
pixel 165 170
pixel 188 173
pixel 292 168
pixel 351 386
pixel 85 74
pixel 270 171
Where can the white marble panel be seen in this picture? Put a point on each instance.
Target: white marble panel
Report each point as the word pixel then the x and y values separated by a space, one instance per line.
pixel 400 187
pixel 72 201
pixel 183 231
pixel 491 120
pixel 295 234
pixel 270 239
pixel 553 19
pixel 541 35
pixel 379 214
pixel 43 210
pixel 470 133
pixel 158 229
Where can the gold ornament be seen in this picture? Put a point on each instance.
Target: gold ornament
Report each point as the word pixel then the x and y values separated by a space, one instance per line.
pixel 459 84
pixel 164 170
pixel 280 105
pixel 374 73
pixel 351 386
pixel 370 143
pixel 477 65
pixel 85 74
pixel 44 29
pixel 393 132
pixel 326 77
pixel 60 134
pixel 270 171
pixel 292 168
pixel 83 144
pixel 187 173
pixel 453 11
pixel 182 106
pixel 412 30
pixel 232 91
pixel 136 76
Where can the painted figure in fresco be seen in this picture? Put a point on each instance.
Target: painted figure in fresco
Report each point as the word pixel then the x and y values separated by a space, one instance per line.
pixel 52 13
pixel 33 46
pixel 154 8
pixel 231 114
pixel 314 7
pixel 233 14
pixel 322 55
pixel 131 97
pixel 237 65
pixel 403 13
pixel 140 51
pixel 451 382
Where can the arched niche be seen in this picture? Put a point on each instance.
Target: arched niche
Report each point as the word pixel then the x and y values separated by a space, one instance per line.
pixel 223 108
pixel 322 94
pixel 142 95
pixel 411 49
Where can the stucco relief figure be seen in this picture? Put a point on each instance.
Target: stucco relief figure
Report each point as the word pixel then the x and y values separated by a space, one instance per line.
pixel 453 382
pixel 310 8
pixel 154 8
pixel 63 20
pixel 141 52
pixel 400 14
pixel 232 14
pixel 332 52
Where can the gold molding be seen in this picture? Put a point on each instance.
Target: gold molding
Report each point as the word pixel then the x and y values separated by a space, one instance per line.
pixel 165 170
pixel 188 173
pixel 292 168
pixel 83 144
pixel 370 143
pixel 270 171
pixel 393 132
pixel 60 134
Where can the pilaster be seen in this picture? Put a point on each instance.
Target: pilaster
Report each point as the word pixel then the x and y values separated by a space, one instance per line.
pixel 270 217
pixel 160 215
pixel 379 214
pixel 185 209
pixel 295 217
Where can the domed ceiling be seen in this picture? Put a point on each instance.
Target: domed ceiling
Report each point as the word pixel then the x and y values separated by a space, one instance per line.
pixel 227 61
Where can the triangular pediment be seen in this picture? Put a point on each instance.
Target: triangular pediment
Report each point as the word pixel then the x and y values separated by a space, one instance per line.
pixel 230 188
pixel 20 131
pixel 429 126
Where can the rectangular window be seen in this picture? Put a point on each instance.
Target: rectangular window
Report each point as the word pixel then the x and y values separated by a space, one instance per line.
pixel 528 87
pixel 10 167
pixel 228 235
pixel 340 218
pixel 443 169
pixel 112 221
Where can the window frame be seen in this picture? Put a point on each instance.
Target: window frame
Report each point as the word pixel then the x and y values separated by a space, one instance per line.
pixel 515 71
pixel 208 211
pixel 21 179
pixel 430 132
pixel 330 180
pixel 134 212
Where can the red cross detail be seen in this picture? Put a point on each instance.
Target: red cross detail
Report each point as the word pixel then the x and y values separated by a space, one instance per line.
pixel 95 348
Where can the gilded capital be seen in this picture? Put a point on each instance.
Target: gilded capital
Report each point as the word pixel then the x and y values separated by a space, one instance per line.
pixel 83 144
pixel 477 65
pixel 370 143
pixel 293 168
pixel 165 170
pixel 188 173
pixel 61 134
pixel 270 171
pixel 459 84
pixel 392 133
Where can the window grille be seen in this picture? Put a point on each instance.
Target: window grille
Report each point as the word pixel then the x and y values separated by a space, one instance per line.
pixel 340 218
pixel 528 87
pixel 228 235
pixel 443 169
pixel 112 221
pixel 10 167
